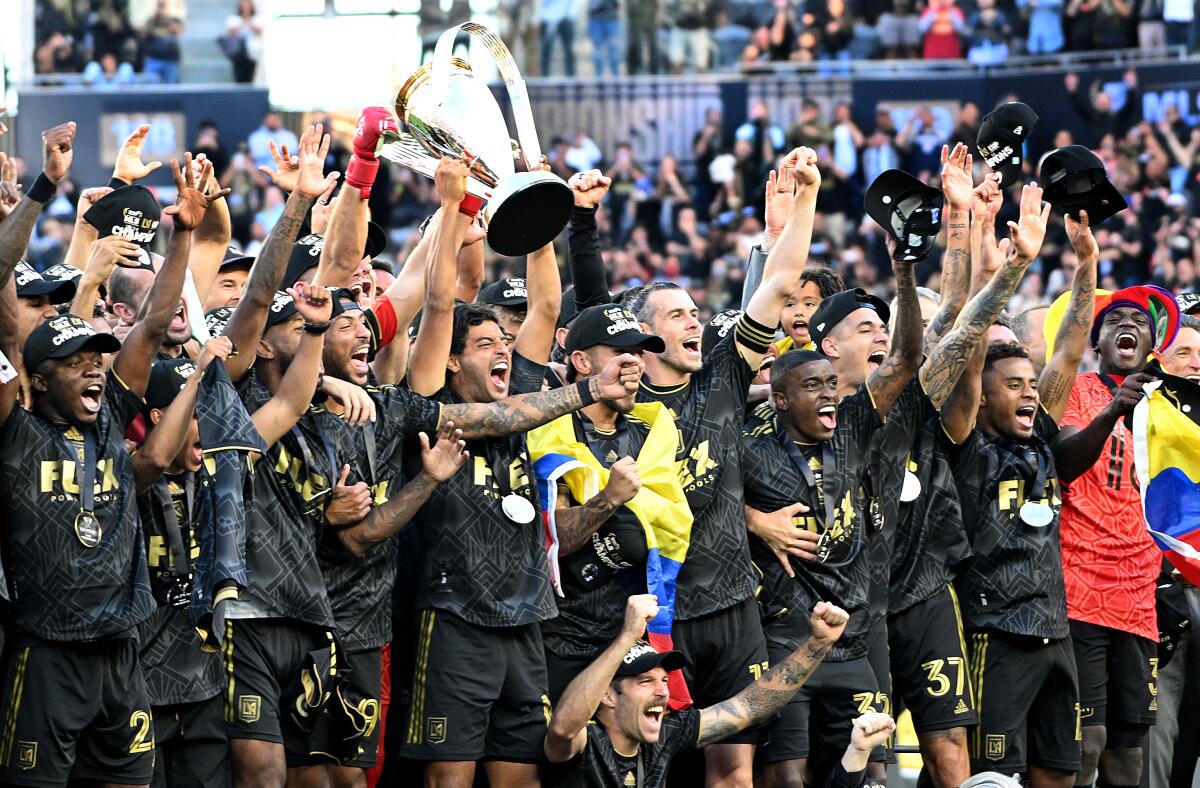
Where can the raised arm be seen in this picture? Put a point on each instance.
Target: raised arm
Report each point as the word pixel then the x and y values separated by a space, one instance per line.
pixel 345 238
pixel 106 254
pixel 427 367
pixel 889 379
pixel 295 393
pixel 83 234
pixel 779 203
pixel 438 465
pixel 584 260
pixel 10 381
pixel 211 239
pixel 566 735
pixel 956 264
pixel 404 297
pixel 1054 385
pixel 769 694
pixel 16 229
pixel 132 363
pixel 246 325
pixel 536 335
pixel 618 379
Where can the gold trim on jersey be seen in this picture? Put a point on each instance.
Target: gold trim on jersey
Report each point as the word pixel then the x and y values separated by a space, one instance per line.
pixel 417 713
pixel 14 707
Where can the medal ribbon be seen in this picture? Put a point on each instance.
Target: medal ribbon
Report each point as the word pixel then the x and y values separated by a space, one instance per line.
pixel 85 473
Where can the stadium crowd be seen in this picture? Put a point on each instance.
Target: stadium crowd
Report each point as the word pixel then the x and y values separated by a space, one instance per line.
pixel 279 512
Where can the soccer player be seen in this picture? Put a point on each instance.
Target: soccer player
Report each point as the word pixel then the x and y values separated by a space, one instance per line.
pixel 1011 589
pixel 1110 563
pixel 75 695
pixel 633 738
pixel 716 618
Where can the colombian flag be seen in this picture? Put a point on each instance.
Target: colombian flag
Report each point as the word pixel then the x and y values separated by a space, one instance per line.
pixel 660 507
pixel 1166 438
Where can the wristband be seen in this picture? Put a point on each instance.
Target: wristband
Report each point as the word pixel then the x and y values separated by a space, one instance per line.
pixel 470 205
pixel 117 183
pixel 585 392
pixel 42 190
pixel 360 173
pixel 316 329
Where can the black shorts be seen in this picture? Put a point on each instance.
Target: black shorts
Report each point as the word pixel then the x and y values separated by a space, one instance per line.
pixel 879 655
pixel 1118 675
pixel 560 671
pixel 364 679
pixel 820 717
pixel 191 747
pixel 929 664
pixel 478 692
pixel 1027 699
pixel 263 661
pixel 75 711
pixel 725 651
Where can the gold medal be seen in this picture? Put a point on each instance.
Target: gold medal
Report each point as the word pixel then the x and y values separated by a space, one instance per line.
pixel 87 529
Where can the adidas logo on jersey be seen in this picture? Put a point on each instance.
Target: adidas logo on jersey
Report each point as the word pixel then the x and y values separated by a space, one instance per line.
pixel 961 708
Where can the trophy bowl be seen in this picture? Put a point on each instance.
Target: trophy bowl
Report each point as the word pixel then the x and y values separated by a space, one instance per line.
pixel 445 110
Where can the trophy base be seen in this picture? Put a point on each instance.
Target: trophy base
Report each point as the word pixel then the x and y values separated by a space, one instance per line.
pixel 527 211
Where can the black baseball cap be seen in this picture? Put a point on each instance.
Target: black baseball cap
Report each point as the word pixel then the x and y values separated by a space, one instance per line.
pixel 216 320
pixel 235 259
pixel 306 253
pixel 1189 303
pixel 31 284
pixel 567 308
pixel 643 658
pixel 613 326
pixel 1073 179
pixel 283 307
pixel 376 241
pixel 131 212
pixel 63 336
pixel 837 307
pixel 167 377
pixel 1001 139
pixel 718 328
pixel 383 265
pixel 907 209
pixel 507 292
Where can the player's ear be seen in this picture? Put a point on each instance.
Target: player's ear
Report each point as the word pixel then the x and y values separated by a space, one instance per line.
pixel 155 416
pixel 453 364
pixel 560 336
pixel 38 381
pixel 779 400
pixel 265 350
pixel 609 698
pixel 829 348
pixel 582 363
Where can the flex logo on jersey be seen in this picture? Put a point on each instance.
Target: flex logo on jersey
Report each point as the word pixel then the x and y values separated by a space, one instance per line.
pixel 309 485
pixel 1010 494
pixel 698 468
pixel 57 477
pixel 518 477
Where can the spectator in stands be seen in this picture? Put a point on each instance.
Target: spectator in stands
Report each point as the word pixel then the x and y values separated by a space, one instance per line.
pixel 782 31
pixel 921 143
pixel 1180 18
pixel 708 143
pixel 730 40
pixel 989 33
pixel 833 27
pixel 809 130
pixel 432 21
pixel 880 153
pixel 641 45
pixel 688 34
pixel 558 23
pixel 1112 28
pixel 160 44
pixel 583 153
pixel 766 138
pixel 1100 120
pixel 1045 25
pixel 208 142
pixel 242 42
pixel 56 54
pixel 899 30
pixel 604 28
pixel 1151 30
pixel 108 73
pixel 966 130
pixel 271 130
pixel 942 27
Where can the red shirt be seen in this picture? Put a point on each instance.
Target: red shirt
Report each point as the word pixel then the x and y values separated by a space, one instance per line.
pixel 1110 563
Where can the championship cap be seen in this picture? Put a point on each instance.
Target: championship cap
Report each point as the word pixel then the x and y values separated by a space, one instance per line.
pixel 31 284
pixel 62 272
pixel 283 307
pixel 376 241
pixel 510 292
pixel 234 259
pixel 306 253
pixel 131 212
pixel 1073 179
pixel 907 209
pixel 838 307
pixel 167 377
pixel 60 337
pixel 1001 139
pixel 613 326
pixel 643 657
pixel 216 320
pixel 1189 303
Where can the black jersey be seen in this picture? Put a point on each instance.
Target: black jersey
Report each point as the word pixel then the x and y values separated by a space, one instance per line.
pixel 1013 581
pixel 599 765
pixel 281 526
pixel 918 502
pixel 709 411
pixel 61 589
pixel 599 578
pixel 176 669
pixel 837 467
pixel 476 562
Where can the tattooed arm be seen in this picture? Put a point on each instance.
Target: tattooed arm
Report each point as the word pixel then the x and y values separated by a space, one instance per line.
pixel 576 524
pixel 567 734
pixel 771 693
pixel 17 227
pixel 886 382
pixel 1058 377
pixel 524 412
pixel 439 463
pixel 956 265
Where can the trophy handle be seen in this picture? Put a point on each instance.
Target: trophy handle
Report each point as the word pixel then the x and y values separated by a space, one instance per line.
pixel 403 149
pixel 522 111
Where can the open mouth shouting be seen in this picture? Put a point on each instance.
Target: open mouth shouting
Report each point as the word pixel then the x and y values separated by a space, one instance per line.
pixel 653 715
pixel 358 360
pixel 91 397
pixel 498 375
pixel 1126 343
pixel 691 345
pixel 1025 415
pixel 876 358
pixel 827 415
pixel 764 369
pixel 179 321
pixel 799 330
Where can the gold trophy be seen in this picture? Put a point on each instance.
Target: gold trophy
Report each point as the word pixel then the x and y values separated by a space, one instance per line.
pixel 445 110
